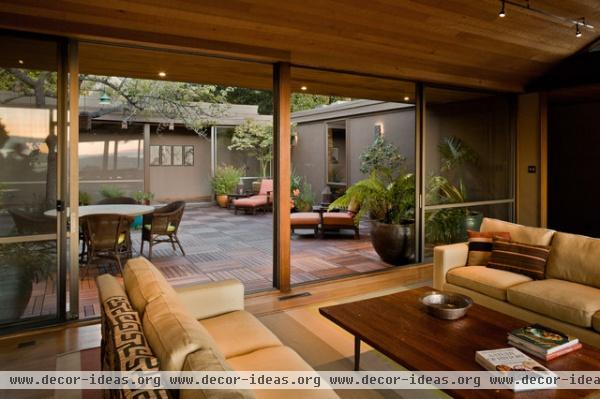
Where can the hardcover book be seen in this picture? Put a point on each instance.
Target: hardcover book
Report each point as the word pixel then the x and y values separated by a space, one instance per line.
pixel 541 339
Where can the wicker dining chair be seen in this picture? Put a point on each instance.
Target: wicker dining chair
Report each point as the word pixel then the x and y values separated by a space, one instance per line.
pixel 162 226
pixel 108 237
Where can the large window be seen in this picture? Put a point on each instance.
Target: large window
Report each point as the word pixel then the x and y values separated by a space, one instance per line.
pixel 468 151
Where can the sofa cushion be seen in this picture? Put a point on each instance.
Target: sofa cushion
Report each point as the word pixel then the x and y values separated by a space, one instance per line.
pixel 575 258
pixel 480 246
pixel 516 257
pixel 278 358
pixel 173 333
pixel 491 282
pixel 562 300
pixel 109 286
pixel 225 330
pixel 305 219
pixel 251 202
pixel 596 321
pixel 519 233
pixel 144 282
pixel 338 219
pixel 207 360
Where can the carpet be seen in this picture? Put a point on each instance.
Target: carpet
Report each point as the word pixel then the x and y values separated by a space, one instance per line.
pixel 327 347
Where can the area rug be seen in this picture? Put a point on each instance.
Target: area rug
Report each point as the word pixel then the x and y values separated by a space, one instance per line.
pixel 86 360
pixel 327 347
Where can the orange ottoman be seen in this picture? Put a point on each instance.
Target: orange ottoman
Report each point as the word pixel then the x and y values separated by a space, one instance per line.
pixel 305 220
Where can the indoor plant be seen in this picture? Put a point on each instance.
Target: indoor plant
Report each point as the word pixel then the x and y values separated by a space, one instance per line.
pixel 111 192
pixel 388 197
pixel 224 182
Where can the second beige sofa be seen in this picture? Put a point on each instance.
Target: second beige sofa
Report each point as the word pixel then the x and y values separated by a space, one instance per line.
pixel 568 299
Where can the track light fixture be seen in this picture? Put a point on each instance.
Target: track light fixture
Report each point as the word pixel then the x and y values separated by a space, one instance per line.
pixel 577 30
pixel 579 23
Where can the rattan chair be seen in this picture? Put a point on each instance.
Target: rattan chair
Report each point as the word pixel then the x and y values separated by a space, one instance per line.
pixel 117 201
pixel 162 226
pixel 107 236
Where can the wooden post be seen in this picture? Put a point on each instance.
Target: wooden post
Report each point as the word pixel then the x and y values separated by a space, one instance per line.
pixel 282 151
pixel 147 158
pixel 543 160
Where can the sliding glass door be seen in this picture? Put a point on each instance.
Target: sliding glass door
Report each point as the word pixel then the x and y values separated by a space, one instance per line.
pixel 469 163
pixel 30 138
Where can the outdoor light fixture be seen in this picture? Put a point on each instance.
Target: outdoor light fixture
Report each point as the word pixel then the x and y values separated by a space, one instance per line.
pixel 407 98
pixel 21 62
pixel 502 12
pixel 577 30
pixel 162 74
pixel 104 99
pixel 303 88
pixel 171 126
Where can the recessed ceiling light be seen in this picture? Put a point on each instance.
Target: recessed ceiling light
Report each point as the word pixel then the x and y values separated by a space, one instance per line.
pixel 407 98
pixel 303 88
pixel 162 74
pixel 21 62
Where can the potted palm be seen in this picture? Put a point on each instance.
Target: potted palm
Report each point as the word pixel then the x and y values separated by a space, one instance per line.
pixel 224 182
pixel 388 197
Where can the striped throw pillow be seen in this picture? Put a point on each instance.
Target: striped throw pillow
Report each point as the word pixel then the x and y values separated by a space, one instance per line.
pixel 529 260
pixel 480 246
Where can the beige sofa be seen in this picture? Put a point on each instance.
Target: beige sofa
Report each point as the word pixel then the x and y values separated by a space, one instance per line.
pixel 202 328
pixel 568 299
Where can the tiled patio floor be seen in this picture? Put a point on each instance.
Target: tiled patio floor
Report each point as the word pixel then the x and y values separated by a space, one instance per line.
pixel 220 245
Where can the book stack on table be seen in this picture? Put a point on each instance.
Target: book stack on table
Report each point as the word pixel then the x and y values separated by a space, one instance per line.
pixel 543 342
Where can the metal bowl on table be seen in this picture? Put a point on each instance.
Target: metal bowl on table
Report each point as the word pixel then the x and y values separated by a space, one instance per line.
pixel 446 305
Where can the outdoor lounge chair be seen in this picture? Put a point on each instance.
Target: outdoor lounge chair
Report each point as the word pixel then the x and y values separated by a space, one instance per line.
pixel 162 226
pixel 343 220
pixel 261 201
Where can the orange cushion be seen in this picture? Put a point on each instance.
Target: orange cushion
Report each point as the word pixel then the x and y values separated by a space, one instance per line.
pixel 251 202
pixel 305 219
pixel 266 186
pixel 338 218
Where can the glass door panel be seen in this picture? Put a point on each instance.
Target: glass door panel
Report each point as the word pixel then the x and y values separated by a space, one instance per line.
pixel 29 132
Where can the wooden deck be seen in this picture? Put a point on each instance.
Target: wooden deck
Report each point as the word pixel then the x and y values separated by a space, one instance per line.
pixel 220 245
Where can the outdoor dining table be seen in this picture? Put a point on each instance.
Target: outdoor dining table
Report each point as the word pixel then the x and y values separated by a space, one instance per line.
pixel 109 209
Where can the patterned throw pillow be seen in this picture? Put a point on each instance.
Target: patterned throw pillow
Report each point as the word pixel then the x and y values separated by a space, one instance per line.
pixel 125 347
pixel 480 246
pixel 529 260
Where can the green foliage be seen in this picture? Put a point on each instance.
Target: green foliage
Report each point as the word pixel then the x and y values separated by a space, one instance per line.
pixel 381 155
pixel 305 101
pixel 85 198
pixel 34 260
pixel 111 192
pixel 141 196
pixel 389 199
pixel 455 153
pixel 256 139
pixel 226 179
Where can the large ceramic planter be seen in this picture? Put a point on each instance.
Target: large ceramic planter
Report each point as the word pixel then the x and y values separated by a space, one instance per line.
pixel 394 243
pixel 222 200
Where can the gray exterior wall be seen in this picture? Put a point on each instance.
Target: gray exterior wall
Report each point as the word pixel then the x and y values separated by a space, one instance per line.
pixel 310 154
pixel 188 183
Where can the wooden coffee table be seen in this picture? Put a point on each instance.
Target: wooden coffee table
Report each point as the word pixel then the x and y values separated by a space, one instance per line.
pixel 397 326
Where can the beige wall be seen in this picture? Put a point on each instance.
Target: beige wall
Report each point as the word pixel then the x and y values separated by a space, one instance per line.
pixel 528 154
pixel 189 183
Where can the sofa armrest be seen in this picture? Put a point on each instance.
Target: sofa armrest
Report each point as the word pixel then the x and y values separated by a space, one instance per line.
pixel 446 257
pixel 212 299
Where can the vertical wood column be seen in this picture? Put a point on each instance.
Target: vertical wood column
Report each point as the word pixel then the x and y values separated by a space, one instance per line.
pixel 282 151
pixel 147 157
pixel 543 160
pixel 73 66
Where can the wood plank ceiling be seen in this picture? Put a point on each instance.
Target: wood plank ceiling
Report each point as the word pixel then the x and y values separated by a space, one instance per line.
pixel 456 42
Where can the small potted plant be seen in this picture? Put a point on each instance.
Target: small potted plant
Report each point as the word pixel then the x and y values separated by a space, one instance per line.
pixel 84 198
pixel 224 182
pixel 143 198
